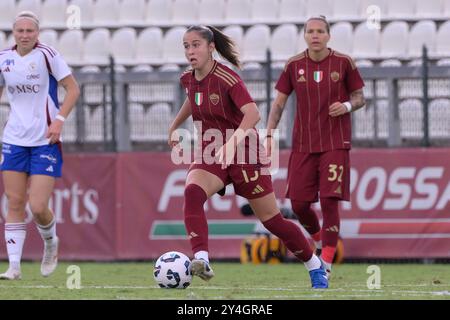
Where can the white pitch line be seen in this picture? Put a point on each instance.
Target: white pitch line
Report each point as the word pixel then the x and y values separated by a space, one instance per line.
pixel 341 292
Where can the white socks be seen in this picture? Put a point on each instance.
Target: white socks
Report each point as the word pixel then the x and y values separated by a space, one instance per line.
pixel 313 263
pixel 48 232
pixel 202 255
pixel 15 234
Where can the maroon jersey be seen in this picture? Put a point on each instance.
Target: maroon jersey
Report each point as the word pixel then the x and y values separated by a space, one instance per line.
pixel 317 86
pixel 216 100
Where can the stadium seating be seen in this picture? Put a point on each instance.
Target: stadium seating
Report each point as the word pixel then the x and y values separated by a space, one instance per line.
pixel 432 9
pixel 49 37
pixel 237 11
pixel 106 13
pixel 439 117
pixel 292 11
pixel 149 46
pixel 7 12
pixel 211 12
pixel 315 8
pixel 342 37
pixel 256 43
pixel 123 46
pixel 138 129
pixel 184 12
pixel 264 11
pixel 29 5
pixel 70 45
pixel 159 13
pixel 366 42
pixel 159 116
pixel 394 40
pixel 54 14
pixel 97 47
pixel 132 13
pixel 411 118
pixel 422 33
pixel 401 9
pixel 442 42
pixel 85 11
pixel 367 7
pixel 283 42
pixel 2 40
pixel 301 44
pixel 173 51
pixel 346 10
pixel 237 34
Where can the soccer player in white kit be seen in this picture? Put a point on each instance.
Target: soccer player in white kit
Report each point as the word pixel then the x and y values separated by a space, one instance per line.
pixel 31 150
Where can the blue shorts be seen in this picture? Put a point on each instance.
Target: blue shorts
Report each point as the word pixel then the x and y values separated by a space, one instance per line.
pixel 43 160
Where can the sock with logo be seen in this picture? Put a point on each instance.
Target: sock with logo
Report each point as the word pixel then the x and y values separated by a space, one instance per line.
pixel 306 216
pixel 195 218
pixel 15 234
pixel 291 235
pixel 202 255
pixel 330 229
pixel 48 232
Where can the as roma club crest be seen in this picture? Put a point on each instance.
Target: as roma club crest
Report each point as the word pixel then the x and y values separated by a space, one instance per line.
pixel 214 98
pixel 335 76
pixel 198 98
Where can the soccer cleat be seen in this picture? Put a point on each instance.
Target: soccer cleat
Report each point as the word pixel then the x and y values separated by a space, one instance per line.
pixel 201 268
pixel 319 279
pixel 11 274
pixel 50 258
pixel 327 267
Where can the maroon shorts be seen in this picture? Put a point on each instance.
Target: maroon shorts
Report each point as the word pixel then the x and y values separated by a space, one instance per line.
pixel 326 172
pixel 250 181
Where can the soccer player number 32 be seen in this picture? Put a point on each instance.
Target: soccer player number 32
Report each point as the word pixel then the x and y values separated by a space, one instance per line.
pixel 332 169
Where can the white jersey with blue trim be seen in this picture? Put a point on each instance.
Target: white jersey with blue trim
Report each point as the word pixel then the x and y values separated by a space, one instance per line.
pixel 31 83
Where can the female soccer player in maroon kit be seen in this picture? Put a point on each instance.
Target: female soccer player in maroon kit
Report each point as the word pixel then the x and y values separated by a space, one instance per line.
pixel 218 100
pixel 328 87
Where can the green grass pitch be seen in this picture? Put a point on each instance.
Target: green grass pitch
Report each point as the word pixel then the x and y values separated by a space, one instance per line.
pixel 232 281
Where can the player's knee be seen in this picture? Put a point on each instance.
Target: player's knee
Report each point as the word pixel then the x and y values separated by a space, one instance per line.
pixel 38 208
pixel 16 203
pixel 300 207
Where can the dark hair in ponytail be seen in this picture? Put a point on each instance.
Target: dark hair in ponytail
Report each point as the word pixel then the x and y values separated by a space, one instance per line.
pixel 225 46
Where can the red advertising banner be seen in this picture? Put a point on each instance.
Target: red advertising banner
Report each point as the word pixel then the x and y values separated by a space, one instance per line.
pixel 129 206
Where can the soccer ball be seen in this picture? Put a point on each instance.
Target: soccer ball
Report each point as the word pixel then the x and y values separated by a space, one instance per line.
pixel 173 271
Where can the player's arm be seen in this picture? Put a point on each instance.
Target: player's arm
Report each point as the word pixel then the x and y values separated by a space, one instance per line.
pixel 72 89
pixel 249 121
pixel 276 111
pixel 357 101
pixel 251 117
pixel 184 113
pixel 72 93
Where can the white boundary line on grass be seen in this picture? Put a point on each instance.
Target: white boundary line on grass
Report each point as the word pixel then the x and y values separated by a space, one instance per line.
pixel 345 292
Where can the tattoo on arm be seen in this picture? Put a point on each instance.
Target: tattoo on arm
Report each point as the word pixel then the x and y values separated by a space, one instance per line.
pixel 357 99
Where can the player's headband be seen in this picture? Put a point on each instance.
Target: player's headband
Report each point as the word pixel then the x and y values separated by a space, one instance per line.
pixel 204 30
pixel 27 15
